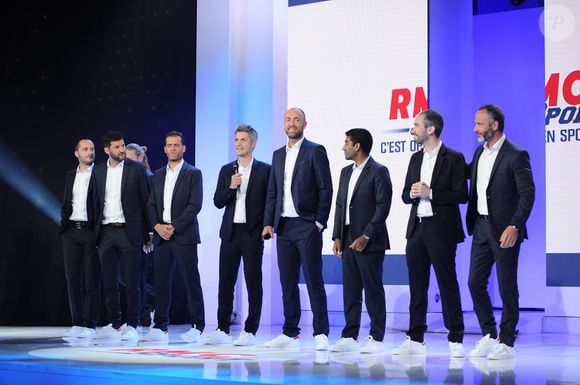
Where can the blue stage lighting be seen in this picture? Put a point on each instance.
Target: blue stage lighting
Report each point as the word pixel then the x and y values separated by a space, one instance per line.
pixel 17 175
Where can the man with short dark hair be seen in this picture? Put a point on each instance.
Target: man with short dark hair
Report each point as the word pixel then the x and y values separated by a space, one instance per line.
pixel 175 200
pixel 122 230
pixel 501 198
pixel 435 186
pixel 360 237
pixel 81 262
pixel 241 188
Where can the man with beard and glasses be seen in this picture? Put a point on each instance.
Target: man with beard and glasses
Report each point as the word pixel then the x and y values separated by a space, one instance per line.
pixel 435 185
pixel 122 231
pixel 501 197
pixel 81 263
pixel 174 203
pixel 297 209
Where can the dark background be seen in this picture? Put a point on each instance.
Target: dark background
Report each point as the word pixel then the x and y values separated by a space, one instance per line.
pixel 71 70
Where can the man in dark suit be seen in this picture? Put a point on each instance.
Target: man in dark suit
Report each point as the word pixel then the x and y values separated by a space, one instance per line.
pixel 360 238
pixel 175 200
pixel 297 209
pixel 435 185
pixel 122 230
pixel 81 263
pixel 241 188
pixel 500 201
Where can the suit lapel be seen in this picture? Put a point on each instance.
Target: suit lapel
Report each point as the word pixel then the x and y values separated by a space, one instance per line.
pixel 361 177
pixel 438 164
pixel 124 178
pixel 498 160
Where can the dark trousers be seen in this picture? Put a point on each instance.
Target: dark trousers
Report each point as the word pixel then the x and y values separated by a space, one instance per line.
pixel 485 251
pixel 363 271
pixel 425 248
pixel 299 242
pixel 166 255
pixel 247 246
pixel 116 251
pixel 147 289
pixel 83 276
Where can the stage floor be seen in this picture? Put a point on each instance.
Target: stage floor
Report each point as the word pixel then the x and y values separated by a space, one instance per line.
pixel 38 355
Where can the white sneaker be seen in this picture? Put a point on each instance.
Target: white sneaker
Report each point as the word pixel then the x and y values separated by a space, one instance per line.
pixel 502 352
pixel 410 347
pixel 371 346
pixel 108 333
pixel 456 350
pixel 155 334
pixel 345 344
pixel 218 337
pixel 73 332
pixel 191 336
pixel 245 339
pixel 129 333
pixel 283 341
pixel 87 333
pixel 483 347
pixel 320 342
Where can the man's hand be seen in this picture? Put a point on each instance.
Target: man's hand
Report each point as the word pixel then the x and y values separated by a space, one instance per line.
pixel 508 237
pixel 359 244
pixel 267 233
pixel 420 190
pixel 164 231
pixel 337 247
pixel 236 181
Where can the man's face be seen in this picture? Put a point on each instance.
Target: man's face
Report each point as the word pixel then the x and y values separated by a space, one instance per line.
pixel 294 124
pixel 483 128
pixel 243 144
pixel 349 149
pixel 85 152
pixel 420 131
pixel 116 150
pixel 174 148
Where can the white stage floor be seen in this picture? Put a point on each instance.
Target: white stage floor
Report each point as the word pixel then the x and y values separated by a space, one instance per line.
pixel 38 355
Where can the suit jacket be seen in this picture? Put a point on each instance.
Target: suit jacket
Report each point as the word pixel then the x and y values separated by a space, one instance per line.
pixel 311 185
pixel 256 192
pixel 134 191
pixel 66 208
pixel 510 192
pixel 369 206
pixel 449 189
pixel 185 204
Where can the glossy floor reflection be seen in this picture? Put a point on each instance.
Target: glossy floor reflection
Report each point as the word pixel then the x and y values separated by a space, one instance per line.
pixel 38 355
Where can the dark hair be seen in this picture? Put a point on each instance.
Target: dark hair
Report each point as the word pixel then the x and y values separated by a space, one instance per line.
pixel 495 114
pixel 78 143
pixel 175 133
pixel 111 136
pixel 433 118
pixel 361 136
pixel 249 129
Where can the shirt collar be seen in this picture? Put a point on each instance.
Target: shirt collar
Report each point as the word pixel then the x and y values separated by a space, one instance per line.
pixel 496 146
pixel 362 165
pixel 296 146
pixel 249 166
pixel 433 153
pixel 121 163
pixel 177 168
pixel 89 170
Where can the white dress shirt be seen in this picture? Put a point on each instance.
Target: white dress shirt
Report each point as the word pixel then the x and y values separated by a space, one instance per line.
pixel 424 209
pixel 240 207
pixel 356 171
pixel 170 179
pixel 79 195
pixel 288 208
pixel 484 166
pixel 113 208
